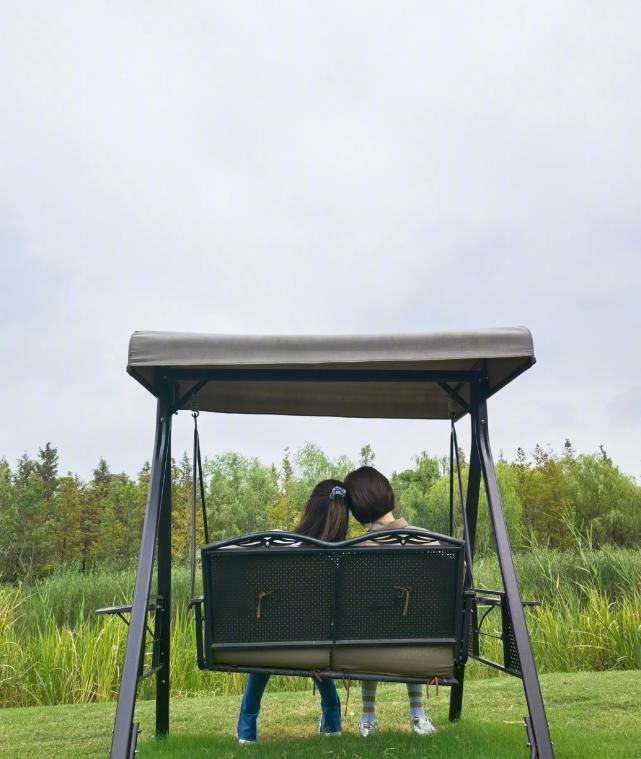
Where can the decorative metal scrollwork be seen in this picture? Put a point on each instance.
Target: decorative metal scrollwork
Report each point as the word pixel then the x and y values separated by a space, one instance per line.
pixel 392 537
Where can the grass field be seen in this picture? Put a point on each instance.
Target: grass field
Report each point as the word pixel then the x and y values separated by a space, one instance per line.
pixel 590 714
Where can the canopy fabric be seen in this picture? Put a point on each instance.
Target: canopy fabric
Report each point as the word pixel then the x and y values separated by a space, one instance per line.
pixel 338 375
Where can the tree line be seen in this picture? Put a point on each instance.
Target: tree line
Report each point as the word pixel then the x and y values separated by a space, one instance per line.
pixel 48 519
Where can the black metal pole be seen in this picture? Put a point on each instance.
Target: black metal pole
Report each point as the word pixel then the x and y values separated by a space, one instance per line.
pixel 469 535
pixel 164 590
pixel 121 743
pixel 473 478
pixel 538 727
pixel 452 479
pixel 194 512
pixel 203 502
pixel 459 478
pixel 456 693
pixel 472 511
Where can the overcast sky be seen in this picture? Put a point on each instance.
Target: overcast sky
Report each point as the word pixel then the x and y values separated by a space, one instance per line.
pixel 317 167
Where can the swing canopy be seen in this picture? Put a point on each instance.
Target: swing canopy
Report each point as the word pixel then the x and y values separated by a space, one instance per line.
pixel 380 376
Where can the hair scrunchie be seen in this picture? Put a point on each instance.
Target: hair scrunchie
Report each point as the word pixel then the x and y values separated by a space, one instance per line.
pixel 338 492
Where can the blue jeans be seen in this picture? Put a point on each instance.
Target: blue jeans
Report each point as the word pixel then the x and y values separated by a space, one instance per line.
pixel 250 706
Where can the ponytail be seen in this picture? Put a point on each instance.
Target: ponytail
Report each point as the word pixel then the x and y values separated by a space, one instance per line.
pixel 326 514
pixel 337 519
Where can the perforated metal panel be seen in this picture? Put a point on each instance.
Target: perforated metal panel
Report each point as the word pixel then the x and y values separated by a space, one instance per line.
pixel 511 657
pixel 397 594
pixel 272 596
pixel 473 637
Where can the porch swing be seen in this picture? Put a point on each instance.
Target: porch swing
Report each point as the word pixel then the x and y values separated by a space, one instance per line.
pixel 232 652
pixel 283 603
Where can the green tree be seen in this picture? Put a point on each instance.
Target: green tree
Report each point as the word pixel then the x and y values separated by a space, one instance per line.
pixel 606 504
pixel 47 470
pixel 312 465
pixel 420 496
pixel 284 512
pixel 31 521
pixel 367 456
pixel 240 493
pixel 71 495
pixel 7 522
pixel 95 511
pixel 181 482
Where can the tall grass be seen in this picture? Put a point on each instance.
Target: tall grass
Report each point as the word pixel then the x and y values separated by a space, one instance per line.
pixel 53 649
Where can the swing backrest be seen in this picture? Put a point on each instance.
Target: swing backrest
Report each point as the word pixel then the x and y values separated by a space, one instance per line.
pixel 390 603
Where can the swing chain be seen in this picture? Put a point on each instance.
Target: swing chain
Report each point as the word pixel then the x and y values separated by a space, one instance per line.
pixel 198 488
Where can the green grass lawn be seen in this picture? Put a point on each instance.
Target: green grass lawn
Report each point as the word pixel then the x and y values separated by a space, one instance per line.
pixel 590 714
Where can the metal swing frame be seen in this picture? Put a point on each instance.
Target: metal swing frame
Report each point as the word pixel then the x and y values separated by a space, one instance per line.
pixel 468 389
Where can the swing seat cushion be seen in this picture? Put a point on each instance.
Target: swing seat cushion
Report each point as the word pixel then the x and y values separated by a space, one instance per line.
pixel 276 658
pixel 403 661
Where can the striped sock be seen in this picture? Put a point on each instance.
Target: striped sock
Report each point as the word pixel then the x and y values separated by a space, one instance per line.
pixel 368 696
pixel 415 695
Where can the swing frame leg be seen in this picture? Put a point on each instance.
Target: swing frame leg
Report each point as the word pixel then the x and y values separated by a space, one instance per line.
pixel 536 721
pixel 471 513
pixel 163 631
pixel 123 743
pixel 456 694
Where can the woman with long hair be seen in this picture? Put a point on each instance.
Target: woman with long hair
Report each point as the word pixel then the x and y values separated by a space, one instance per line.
pixel 325 516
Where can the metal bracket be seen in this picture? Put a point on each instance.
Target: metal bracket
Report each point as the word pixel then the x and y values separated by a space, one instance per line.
pixel 491 600
pixel 529 738
pixel 133 740
pixel 158 608
pixel 197 604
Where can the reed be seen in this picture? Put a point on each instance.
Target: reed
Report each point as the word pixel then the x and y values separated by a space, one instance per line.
pixel 53 649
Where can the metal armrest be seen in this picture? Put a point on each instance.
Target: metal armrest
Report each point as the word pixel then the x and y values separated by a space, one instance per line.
pixel 495 598
pixel 123 609
pixel 491 600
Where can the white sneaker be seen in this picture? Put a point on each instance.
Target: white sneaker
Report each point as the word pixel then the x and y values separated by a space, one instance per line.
pixel 422 726
pixel 244 742
pixel 367 727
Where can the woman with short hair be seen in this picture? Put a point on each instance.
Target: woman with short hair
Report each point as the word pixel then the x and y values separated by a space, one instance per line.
pixel 371 500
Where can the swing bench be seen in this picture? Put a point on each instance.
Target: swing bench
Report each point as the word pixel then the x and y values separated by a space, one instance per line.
pixel 396 605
